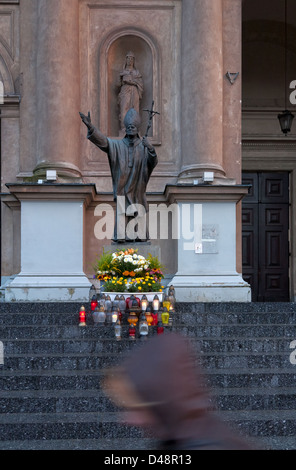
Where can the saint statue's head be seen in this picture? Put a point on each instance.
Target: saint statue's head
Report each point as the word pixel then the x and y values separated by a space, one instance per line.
pixel 132 122
pixel 130 59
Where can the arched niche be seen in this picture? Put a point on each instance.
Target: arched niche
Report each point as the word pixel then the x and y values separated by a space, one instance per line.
pixel 5 73
pixel 111 62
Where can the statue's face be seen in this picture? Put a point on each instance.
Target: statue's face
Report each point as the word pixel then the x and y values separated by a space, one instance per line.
pixel 131 130
pixel 129 60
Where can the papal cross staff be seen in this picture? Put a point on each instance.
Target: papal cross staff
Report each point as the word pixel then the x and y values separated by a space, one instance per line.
pixel 151 116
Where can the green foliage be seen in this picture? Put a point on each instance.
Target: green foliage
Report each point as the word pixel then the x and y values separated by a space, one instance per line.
pixel 103 264
pixel 154 263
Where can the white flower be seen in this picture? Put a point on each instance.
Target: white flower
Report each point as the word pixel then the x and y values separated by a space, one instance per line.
pixel 146 266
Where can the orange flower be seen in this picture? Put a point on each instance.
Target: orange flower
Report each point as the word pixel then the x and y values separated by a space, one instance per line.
pixel 126 273
pixel 132 274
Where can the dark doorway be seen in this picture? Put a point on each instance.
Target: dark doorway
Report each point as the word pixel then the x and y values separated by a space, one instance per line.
pixel 265 232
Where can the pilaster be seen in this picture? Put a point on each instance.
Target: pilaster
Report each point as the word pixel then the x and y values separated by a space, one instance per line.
pixel 58 88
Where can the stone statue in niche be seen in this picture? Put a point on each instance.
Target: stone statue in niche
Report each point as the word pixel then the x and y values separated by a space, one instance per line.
pixel 131 162
pixel 131 88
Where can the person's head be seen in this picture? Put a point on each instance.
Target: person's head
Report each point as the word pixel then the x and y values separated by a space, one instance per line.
pixel 132 122
pixel 159 387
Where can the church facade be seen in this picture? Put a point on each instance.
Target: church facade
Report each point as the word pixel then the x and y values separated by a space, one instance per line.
pixel 221 199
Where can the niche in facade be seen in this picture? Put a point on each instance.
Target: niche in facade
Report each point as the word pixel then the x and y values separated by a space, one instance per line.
pixel 116 72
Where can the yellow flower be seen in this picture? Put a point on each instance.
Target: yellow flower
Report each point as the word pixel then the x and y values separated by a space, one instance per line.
pixel 140 288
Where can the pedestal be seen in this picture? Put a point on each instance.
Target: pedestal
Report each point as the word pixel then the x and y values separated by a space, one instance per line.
pixel 52 219
pixel 207 247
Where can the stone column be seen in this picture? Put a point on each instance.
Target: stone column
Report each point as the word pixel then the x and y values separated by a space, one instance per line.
pixel 202 89
pixel 58 89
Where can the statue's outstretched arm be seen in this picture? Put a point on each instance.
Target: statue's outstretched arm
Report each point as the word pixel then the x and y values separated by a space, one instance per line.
pixel 94 135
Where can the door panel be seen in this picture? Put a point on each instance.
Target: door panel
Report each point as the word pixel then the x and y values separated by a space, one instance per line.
pixel 273 188
pixel 250 246
pixel 265 219
pixel 251 179
pixel 274 252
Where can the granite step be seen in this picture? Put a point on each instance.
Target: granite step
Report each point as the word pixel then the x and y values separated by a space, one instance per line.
pixel 77 444
pixel 51 395
pixel 186 317
pixel 190 331
pixel 99 360
pixel 262 345
pixel 89 425
pixel 95 401
pixel 92 379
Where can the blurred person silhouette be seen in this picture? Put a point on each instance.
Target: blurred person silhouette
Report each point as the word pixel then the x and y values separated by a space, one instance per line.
pixel 162 390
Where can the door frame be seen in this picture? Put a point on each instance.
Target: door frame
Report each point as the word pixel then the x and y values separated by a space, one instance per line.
pixel 276 156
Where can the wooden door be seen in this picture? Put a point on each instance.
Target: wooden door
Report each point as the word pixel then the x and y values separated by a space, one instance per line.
pixel 265 230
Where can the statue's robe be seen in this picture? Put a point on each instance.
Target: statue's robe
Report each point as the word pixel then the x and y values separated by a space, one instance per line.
pixel 130 94
pixel 131 167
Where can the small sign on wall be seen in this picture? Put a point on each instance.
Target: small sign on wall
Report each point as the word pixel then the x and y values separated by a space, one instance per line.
pixel 208 243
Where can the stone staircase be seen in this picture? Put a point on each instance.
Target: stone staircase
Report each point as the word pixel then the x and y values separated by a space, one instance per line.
pixel 50 395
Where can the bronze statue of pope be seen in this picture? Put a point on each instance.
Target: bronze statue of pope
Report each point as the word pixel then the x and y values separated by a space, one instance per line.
pixel 131 160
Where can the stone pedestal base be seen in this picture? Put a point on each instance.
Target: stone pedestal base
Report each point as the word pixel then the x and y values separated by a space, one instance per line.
pixel 216 288
pixel 52 228
pixel 26 288
pixel 206 270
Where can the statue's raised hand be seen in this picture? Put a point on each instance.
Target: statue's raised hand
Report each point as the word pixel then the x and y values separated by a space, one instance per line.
pixel 86 120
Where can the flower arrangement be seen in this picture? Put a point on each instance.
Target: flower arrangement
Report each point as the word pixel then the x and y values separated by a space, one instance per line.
pixel 127 271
